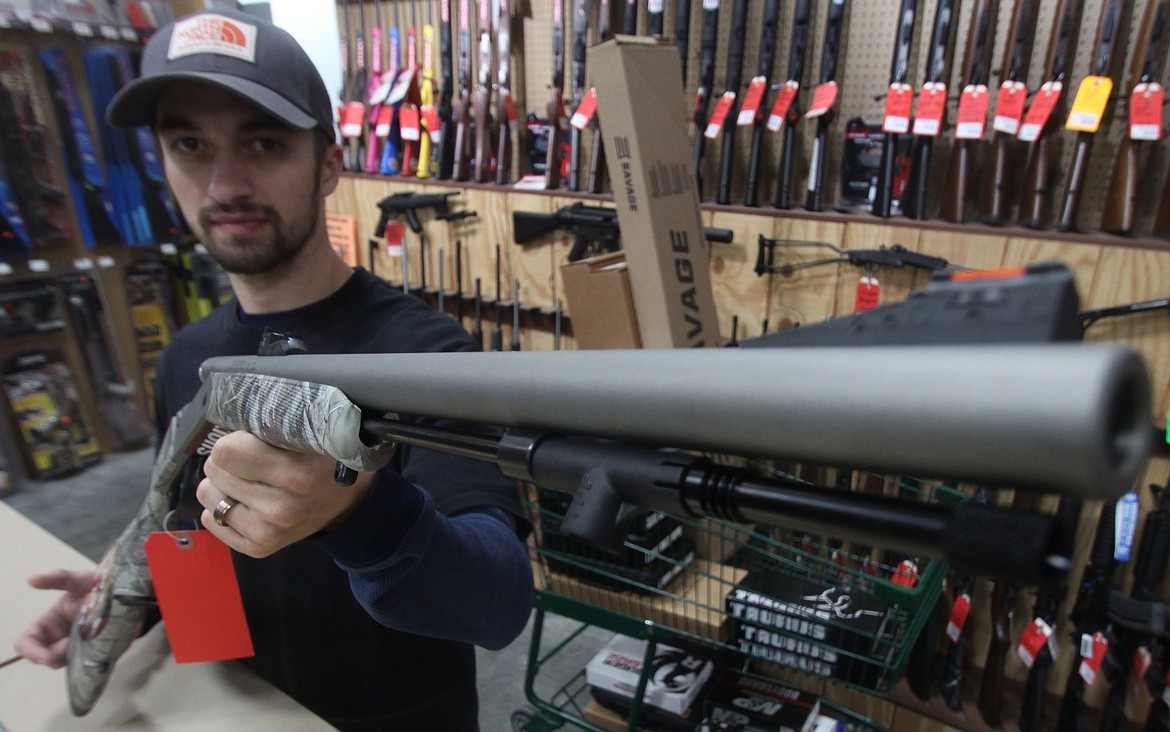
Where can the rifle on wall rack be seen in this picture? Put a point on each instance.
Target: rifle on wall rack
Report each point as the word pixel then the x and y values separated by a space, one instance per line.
pixel 1121 198
pixel 655 18
pixel 924 131
pixel 391 120
pixel 374 100
pixel 447 94
pixel 787 118
pixel 558 121
pixel 830 50
pixel 769 29
pixel 580 44
pixel 731 95
pixel 481 98
pixel 1038 128
pixel 505 106
pixel 884 193
pixel 597 168
pixel 682 34
pixel 426 97
pixel 409 123
pixel 1006 124
pixel 708 43
pixel 980 39
pixel 461 168
pixel 1104 51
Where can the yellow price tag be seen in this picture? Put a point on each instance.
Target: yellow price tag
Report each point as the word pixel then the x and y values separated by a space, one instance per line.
pixel 1089 106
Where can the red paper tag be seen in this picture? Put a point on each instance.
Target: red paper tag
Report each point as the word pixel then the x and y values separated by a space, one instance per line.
pixel 958 617
pixel 195 584
pixel 1093 650
pixel 868 292
pixel 972 117
pixel 385 121
pixel 722 109
pixel 408 122
pixel 394 237
pixel 1032 640
pixel 353 119
pixel 1040 110
pixel 1145 111
pixel 430 115
pixel 906 574
pixel 752 99
pixel 783 103
pixel 510 106
pixel 823 98
pixel 585 110
pixel 899 107
pixel 932 106
pixel 1009 107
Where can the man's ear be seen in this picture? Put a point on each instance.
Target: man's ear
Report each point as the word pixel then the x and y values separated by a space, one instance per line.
pixel 331 166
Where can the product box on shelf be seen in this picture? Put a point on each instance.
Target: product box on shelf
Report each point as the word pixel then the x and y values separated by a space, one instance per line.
pixel 751 703
pixel 597 293
pixel 675 683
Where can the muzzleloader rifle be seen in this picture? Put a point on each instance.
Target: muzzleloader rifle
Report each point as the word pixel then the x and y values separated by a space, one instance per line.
pixel 1121 198
pixel 884 193
pixel 461 167
pixel 980 39
pixel 1104 52
pixel 1080 426
pixel 481 98
pixel 505 109
pixel 1038 175
pixel 708 43
pixel 937 65
pixel 768 31
pixel 558 120
pixel 733 91
pixel 1014 72
pixel 830 50
pixel 797 51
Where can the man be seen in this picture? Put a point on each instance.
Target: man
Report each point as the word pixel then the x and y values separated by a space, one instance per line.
pixel 363 602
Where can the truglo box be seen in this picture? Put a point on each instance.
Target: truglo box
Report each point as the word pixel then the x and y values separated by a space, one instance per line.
pixel 676 677
pixel 642 113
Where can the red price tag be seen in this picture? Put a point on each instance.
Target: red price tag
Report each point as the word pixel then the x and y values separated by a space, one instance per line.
pixel 1009 107
pixel 783 103
pixel 195 584
pixel 408 122
pixel 722 109
pixel 510 106
pixel 353 119
pixel 430 118
pixel 384 122
pixel 932 107
pixel 1039 111
pixel 972 117
pixel 395 235
pixel 585 110
pixel 823 98
pixel 906 574
pixel 1032 640
pixel 1093 650
pixel 868 293
pixel 958 617
pixel 1145 111
pixel 899 108
pixel 752 99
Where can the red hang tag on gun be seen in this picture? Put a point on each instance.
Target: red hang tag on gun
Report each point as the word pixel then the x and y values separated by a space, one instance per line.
pixel 899 106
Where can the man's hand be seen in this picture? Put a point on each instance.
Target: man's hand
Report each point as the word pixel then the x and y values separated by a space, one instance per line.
pixel 45 640
pixel 279 496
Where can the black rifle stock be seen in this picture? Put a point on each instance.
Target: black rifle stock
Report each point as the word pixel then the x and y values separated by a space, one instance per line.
pixel 1104 50
pixel 708 41
pixel 937 63
pixel 883 200
pixel 1014 68
pixel 682 34
pixel 980 38
pixel 797 51
pixel 734 81
pixel 1121 196
pixel 764 63
pixel 830 49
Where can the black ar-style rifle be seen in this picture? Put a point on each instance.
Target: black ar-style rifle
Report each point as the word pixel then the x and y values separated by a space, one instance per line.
pixel 830 49
pixel 937 64
pixel 883 199
pixel 797 50
pixel 446 95
pixel 708 41
pixel 768 30
pixel 1013 72
pixel 580 45
pixel 682 34
pixel 735 52
pixel 558 121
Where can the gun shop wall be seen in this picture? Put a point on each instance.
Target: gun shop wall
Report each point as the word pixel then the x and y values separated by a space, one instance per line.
pixel 64 368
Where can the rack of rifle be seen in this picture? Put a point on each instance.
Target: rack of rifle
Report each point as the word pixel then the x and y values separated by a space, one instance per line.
pixel 449 113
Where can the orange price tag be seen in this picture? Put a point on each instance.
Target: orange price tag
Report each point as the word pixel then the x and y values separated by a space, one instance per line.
pixel 1088 107
pixel 752 99
pixel 1040 110
pixel 385 121
pixel 972 116
pixel 585 110
pixel 195 584
pixel 1145 111
pixel 932 107
pixel 958 619
pixel 408 122
pixel 722 109
pixel 353 119
pixel 783 103
pixel 899 108
pixel 823 98
pixel 1009 107
pixel 1034 637
pixel 868 293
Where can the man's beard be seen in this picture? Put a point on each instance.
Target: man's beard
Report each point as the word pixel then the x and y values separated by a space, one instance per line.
pixel 251 255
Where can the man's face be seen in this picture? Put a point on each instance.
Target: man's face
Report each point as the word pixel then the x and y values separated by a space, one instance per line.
pixel 250 186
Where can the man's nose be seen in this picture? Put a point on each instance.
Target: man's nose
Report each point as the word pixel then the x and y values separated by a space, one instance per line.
pixel 229 181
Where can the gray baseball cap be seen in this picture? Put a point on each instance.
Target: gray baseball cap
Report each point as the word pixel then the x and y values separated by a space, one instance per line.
pixel 235 51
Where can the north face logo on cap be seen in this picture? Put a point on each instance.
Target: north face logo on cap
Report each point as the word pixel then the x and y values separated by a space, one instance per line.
pixel 213 34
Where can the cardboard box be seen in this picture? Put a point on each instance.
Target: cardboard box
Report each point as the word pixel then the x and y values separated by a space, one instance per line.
pixel 676 678
pixel 643 117
pixel 752 703
pixel 598 298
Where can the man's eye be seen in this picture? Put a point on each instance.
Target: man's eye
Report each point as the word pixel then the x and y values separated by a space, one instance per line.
pixel 266 145
pixel 186 144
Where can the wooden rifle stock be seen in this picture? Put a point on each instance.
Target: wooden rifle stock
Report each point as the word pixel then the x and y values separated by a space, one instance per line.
pixel 1121 198
pixel 461 166
pixel 504 95
pixel 735 53
pixel 557 120
pixel 883 200
pixel 1014 68
pixel 797 51
pixel 481 99
pixel 768 32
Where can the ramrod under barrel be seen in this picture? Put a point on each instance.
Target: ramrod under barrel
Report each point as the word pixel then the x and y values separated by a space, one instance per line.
pixel 1064 418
